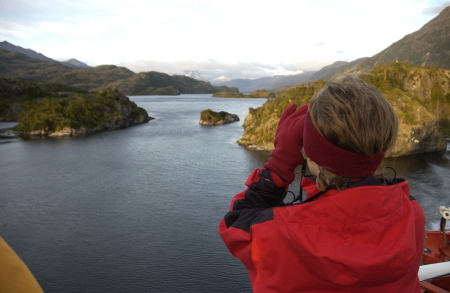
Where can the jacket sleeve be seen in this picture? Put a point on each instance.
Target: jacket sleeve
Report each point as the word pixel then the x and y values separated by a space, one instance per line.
pixel 254 205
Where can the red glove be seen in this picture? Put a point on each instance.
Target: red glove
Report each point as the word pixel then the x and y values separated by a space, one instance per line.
pixel 288 143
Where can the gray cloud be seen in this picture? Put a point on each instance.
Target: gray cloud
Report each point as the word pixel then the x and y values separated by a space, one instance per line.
pixel 437 9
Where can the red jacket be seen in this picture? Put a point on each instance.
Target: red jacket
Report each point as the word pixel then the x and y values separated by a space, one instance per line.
pixel 367 238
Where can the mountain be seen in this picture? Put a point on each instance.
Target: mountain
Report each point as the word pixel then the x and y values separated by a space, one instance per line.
pixel 328 71
pixel 429 45
pixel 267 83
pixel 194 74
pixel 74 63
pixel 148 83
pixel 19 66
pixel 93 77
pixel 292 79
pixel 105 77
pixel 220 79
pixel 28 52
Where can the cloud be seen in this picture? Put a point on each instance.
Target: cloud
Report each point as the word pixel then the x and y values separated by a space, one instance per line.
pixel 285 36
pixel 436 9
pixel 212 69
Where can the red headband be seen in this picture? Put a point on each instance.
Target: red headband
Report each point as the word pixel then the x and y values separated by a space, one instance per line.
pixel 335 159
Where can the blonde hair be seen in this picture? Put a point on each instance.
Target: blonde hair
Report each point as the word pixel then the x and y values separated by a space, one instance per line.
pixel 354 116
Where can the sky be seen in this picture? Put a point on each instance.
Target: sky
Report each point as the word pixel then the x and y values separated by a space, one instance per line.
pixel 233 38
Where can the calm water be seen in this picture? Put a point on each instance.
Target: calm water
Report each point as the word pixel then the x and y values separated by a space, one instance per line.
pixel 137 210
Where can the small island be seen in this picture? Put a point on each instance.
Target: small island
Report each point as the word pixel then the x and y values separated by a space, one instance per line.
pixel 262 94
pixel 256 94
pixel 230 95
pixel 211 118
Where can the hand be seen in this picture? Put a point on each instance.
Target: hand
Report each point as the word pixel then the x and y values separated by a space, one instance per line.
pixel 288 143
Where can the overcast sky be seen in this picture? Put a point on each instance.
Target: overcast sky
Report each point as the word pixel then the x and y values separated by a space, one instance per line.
pixel 234 38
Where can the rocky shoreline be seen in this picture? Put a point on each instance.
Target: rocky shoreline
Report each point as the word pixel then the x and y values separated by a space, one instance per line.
pixel 66 131
pixel 73 132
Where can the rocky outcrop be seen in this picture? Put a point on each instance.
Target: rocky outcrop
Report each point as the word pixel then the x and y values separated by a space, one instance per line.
pixel 211 118
pixel 250 139
pixel 419 139
pixel 423 136
pixel 230 118
pixel 419 95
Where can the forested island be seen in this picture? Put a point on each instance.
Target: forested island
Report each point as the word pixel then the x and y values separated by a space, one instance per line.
pixel 46 109
pixel 419 95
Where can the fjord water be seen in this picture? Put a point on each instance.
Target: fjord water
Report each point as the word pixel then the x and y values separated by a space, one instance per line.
pixel 137 210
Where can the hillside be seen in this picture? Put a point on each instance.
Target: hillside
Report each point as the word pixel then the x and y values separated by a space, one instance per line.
pixel 428 46
pixel 19 66
pixel 325 73
pixel 105 77
pixel 419 95
pixel 93 77
pixel 28 52
pixel 328 71
pixel 267 83
pixel 151 83
pixel 74 63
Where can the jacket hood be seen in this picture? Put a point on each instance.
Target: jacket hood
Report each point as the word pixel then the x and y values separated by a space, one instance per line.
pixel 352 238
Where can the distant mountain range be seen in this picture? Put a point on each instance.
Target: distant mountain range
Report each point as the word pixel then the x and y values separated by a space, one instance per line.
pixel 195 74
pixel 74 63
pixel 16 65
pixel 429 46
pixel 248 85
